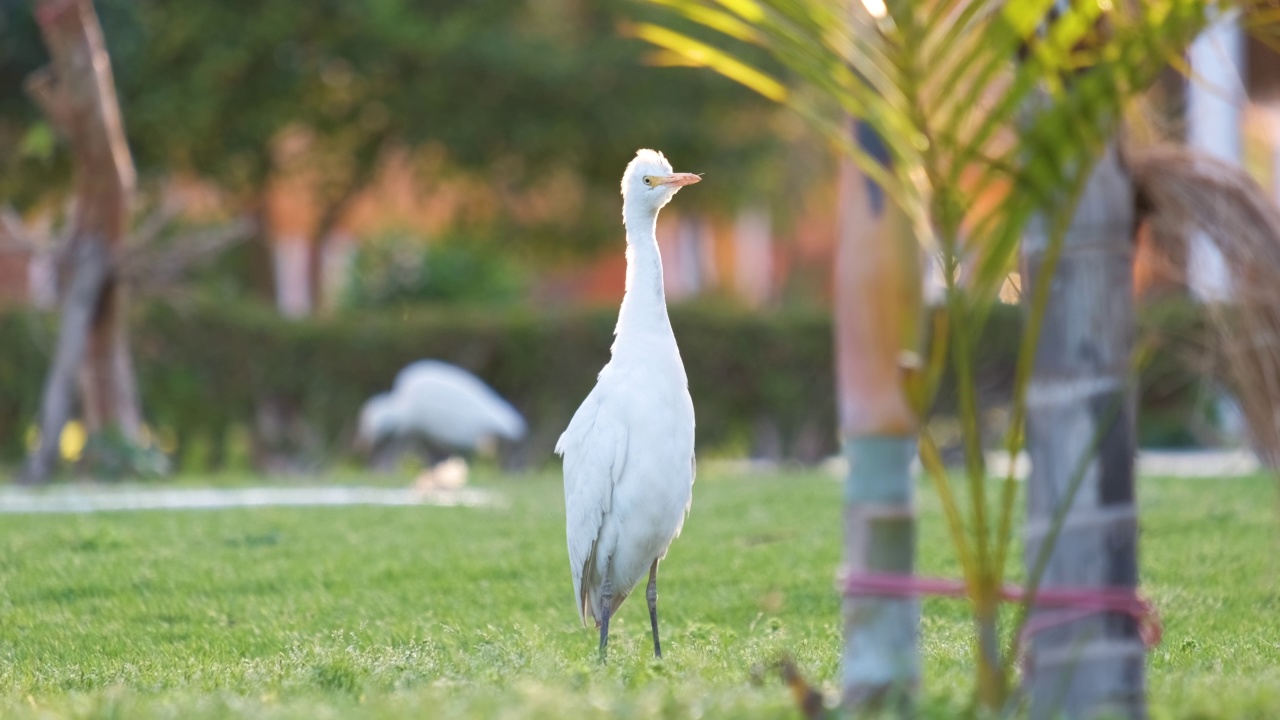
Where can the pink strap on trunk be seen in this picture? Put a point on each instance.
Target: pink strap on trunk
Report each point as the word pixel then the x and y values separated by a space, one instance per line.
pixel 1078 602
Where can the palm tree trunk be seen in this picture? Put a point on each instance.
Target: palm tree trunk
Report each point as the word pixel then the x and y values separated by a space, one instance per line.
pixel 877 308
pixel 1080 437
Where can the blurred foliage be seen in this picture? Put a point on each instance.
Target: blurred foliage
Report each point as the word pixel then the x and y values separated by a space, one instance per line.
pixel 398 268
pixel 110 456
pixel 970 100
pixel 208 368
pixel 516 90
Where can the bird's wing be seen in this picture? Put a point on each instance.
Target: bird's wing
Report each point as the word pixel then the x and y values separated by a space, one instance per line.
pixel 425 368
pixel 503 418
pixel 594 448
pixel 455 406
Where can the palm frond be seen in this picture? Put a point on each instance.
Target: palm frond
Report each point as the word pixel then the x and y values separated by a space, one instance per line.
pixel 993 114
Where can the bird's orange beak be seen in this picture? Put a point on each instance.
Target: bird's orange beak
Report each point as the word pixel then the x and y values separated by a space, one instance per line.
pixel 680 179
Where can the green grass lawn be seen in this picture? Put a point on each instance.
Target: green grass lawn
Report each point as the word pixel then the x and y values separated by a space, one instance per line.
pixel 394 612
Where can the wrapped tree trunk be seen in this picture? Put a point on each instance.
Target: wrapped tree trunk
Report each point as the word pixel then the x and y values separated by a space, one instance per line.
pixel 877 307
pixel 78 96
pixel 1080 416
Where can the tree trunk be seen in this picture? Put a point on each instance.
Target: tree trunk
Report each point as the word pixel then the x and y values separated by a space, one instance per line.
pixel 877 304
pixel 327 231
pixel 78 96
pixel 89 276
pixel 259 258
pixel 753 254
pixel 289 255
pixel 1080 415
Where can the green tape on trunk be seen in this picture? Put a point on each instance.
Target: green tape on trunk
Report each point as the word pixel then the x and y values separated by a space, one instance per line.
pixel 880 660
pixel 879 469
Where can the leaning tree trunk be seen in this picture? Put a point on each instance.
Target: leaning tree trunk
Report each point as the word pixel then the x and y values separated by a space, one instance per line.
pixel 78 96
pixel 877 305
pixel 1080 429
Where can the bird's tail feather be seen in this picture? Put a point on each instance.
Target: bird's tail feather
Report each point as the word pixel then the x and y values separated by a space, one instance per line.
pixel 587 600
pixel 585 605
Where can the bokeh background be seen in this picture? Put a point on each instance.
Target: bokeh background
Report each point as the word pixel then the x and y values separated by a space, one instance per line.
pixel 329 191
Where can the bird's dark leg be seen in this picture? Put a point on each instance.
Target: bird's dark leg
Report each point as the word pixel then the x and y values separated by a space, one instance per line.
pixel 606 607
pixel 652 595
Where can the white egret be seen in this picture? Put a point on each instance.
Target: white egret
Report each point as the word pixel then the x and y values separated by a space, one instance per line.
pixel 442 404
pixel 628 452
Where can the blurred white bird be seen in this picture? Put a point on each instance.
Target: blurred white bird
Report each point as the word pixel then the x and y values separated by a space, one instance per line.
pixel 628 452
pixel 446 406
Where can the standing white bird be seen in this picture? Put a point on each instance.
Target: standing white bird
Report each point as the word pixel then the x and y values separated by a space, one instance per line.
pixel 628 452
pixel 443 404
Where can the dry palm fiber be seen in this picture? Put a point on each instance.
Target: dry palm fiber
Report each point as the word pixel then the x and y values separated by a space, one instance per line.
pixel 1183 190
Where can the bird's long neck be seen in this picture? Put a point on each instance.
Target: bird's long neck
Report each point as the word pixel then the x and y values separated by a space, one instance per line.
pixel 644 306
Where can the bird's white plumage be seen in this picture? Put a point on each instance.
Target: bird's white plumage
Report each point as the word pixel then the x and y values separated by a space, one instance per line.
pixel 444 403
pixel 628 451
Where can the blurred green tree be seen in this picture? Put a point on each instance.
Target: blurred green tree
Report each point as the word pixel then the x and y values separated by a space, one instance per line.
pixel 396 268
pixel 514 90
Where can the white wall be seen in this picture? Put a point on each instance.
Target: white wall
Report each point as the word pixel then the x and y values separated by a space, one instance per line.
pixel 1215 100
pixel 753 255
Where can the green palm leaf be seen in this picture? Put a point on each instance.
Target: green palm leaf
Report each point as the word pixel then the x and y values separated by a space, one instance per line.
pixel 975 100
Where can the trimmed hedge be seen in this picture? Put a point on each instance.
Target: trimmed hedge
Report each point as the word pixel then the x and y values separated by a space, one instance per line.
pixel 761 383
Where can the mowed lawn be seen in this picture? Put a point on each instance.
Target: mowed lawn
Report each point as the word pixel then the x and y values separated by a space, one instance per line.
pixel 395 612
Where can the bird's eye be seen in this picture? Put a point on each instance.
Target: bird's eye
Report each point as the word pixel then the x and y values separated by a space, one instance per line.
pixel 648 180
